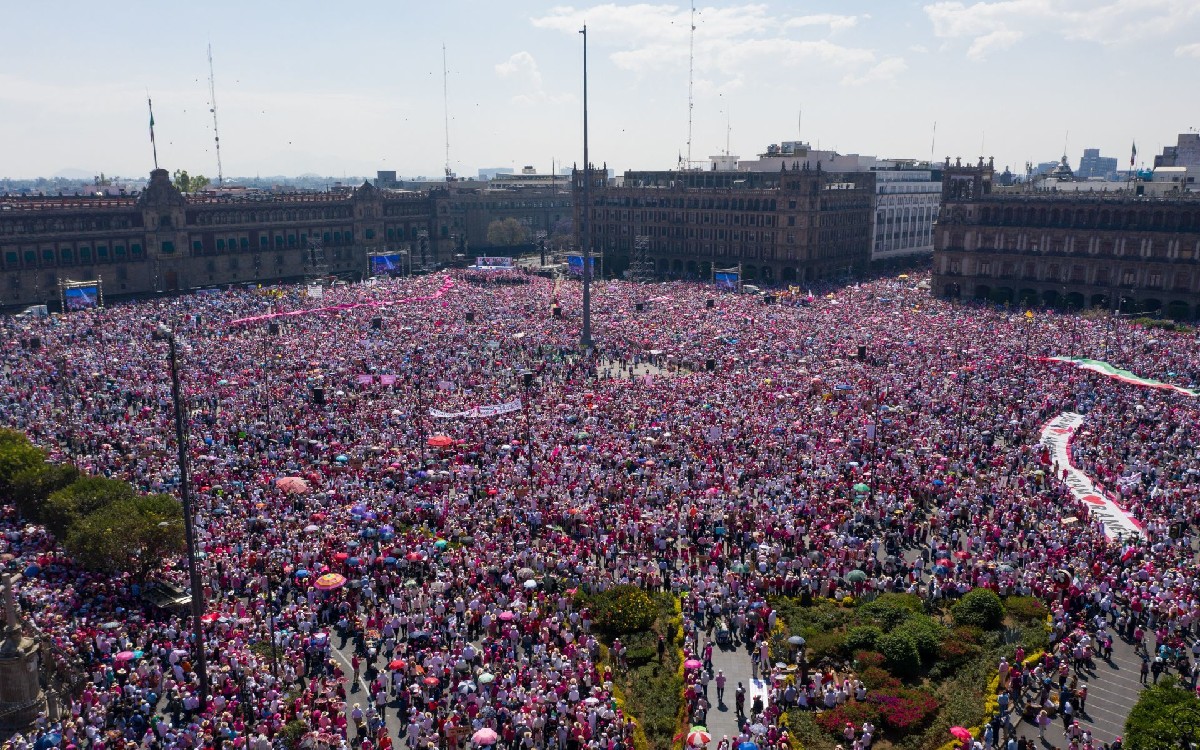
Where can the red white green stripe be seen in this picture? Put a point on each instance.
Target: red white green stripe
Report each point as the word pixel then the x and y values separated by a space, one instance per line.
pixel 1125 376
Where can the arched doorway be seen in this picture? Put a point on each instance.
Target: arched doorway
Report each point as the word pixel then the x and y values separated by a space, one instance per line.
pixel 1179 310
pixel 983 291
pixel 952 291
pixel 1074 301
pixel 1051 298
pixel 677 266
pixel 789 273
pixel 1100 301
pixel 1002 295
pixel 767 274
pixel 749 273
pixel 1150 306
pixel 663 266
pixel 1028 297
pixel 693 269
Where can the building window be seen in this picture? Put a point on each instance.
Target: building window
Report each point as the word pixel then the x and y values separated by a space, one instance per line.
pixel 85 255
pixel 11 258
pixel 369 234
pixel 263 241
pixel 197 246
pixel 167 247
pixel 47 256
pixel 30 258
pixel 220 244
pixel 245 243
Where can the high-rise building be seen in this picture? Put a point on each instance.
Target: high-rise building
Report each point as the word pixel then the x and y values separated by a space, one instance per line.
pixel 1094 166
pixel 1185 152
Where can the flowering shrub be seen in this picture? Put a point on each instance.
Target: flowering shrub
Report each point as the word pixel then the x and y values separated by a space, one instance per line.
pixel 903 710
pixel 876 678
pixel 622 609
pixel 1025 609
pixel 866 659
pixel 854 712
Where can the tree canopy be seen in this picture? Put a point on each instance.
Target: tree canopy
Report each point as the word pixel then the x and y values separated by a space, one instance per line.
pixel 187 184
pixel 507 232
pixel 17 454
pixel 1163 715
pixel 132 535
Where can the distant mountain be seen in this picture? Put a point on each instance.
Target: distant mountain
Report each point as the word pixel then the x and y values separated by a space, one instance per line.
pixel 75 174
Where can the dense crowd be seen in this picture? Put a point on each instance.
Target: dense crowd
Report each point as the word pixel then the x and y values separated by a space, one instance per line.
pixel 460 542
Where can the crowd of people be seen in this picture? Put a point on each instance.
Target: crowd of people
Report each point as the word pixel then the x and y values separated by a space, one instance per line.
pixel 412 581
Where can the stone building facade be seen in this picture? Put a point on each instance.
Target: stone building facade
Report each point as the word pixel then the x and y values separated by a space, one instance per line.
pixel 1113 251
pixel 794 225
pixel 163 241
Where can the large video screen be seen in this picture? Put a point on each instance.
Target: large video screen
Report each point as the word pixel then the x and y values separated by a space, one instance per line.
pixel 81 297
pixel 726 280
pixel 575 265
pixel 382 265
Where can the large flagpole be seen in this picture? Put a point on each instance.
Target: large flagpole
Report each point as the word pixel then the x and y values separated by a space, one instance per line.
pixel 585 337
pixel 153 145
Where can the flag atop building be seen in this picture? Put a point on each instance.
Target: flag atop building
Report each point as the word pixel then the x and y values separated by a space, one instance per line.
pixel 1133 155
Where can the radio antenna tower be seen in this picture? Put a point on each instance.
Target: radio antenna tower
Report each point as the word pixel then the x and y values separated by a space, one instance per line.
pixel 212 100
pixel 446 112
pixel 691 79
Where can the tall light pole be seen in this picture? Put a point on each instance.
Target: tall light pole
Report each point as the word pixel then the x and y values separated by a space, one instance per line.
pixel 585 336
pixel 527 381
pixel 162 333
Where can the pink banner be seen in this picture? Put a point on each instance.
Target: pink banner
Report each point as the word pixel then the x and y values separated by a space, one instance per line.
pixel 342 308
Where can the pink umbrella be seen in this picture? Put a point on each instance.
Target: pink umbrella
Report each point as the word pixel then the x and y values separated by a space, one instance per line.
pixel 506 616
pixel 961 733
pixel 485 736
pixel 692 664
pixel 124 656
pixel 292 485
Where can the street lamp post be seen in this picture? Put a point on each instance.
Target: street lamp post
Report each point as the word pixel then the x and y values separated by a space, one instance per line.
pixel 162 333
pixel 257 526
pixel 419 369
pixel 527 381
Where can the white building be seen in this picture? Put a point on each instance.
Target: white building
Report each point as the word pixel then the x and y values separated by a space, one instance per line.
pixel 908 193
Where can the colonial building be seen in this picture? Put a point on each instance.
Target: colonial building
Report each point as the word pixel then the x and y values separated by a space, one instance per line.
pixel 163 241
pixel 1114 251
pixel 794 224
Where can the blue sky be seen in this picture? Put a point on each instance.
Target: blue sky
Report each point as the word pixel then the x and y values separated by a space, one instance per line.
pixel 348 88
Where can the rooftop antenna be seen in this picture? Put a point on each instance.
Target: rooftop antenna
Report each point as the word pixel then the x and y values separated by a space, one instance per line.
pixel 933 143
pixel 212 100
pixel 1066 140
pixel 446 111
pixel 691 78
pixel 799 123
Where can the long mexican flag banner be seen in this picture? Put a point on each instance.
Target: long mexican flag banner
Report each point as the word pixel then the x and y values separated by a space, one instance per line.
pixel 1125 376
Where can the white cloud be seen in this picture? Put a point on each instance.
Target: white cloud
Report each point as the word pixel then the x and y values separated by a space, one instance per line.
pixel 832 20
pixel 521 64
pixel 523 68
pixel 1188 50
pixel 730 42
pixel 885 70
pixel 1000 39
pixel 994 25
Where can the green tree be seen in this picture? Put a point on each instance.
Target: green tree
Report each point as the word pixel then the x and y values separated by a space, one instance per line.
pixel 187 184
pixel 901 654
pixel 17 454
pixel 31 487
pixel 979 607
pixel 1164 715
pixel 129 536
pixel 66 507
pixel 507 233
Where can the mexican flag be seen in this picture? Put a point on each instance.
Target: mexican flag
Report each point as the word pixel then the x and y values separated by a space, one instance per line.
pixel 1125 376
